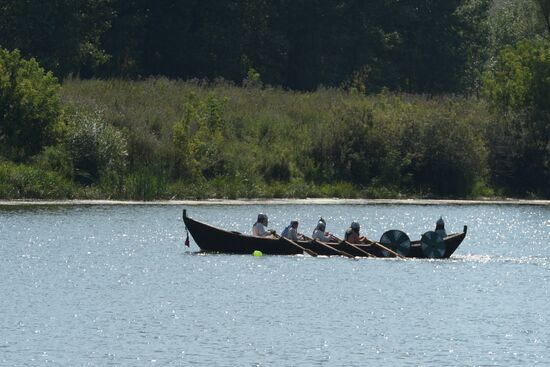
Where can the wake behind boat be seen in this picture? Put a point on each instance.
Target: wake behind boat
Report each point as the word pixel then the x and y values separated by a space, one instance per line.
pixel 212 239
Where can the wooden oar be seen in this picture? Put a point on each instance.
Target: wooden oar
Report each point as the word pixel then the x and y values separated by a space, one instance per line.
pixel 340 252
pixel 378 244
pixel 354 246
pixel 310 252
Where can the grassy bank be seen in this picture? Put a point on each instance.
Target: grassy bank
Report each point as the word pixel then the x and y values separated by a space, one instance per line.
pixel 165 139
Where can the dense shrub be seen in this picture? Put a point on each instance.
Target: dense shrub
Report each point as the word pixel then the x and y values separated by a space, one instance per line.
pixel 55 158
pixel 96 148
pixel 447 156
pixel 30 111
pixel 413 143
pixel 19 181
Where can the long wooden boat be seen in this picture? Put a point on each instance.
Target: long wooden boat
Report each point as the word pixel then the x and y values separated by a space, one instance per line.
pixel 212 239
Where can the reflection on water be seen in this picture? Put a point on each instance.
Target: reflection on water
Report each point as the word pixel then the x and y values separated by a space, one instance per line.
pixel 114 285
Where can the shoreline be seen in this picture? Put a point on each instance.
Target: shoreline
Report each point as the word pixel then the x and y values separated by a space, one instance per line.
pixel 333 201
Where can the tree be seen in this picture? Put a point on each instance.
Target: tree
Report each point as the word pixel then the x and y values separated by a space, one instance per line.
pixel 519 88
pixel 512 21
pixel 545 13
pixel 30 112
pixel 64 35
pixel 416 46
pixel 438 40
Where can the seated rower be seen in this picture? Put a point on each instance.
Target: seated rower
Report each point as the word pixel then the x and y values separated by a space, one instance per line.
pixel 291 231
pixel 319 232
pixel 352 234
pixel 259 228
pixel 440 227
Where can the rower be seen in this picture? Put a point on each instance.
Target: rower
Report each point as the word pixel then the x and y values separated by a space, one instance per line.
pixel 291 231
pixel 319 232
pixel 440 227
pixel 352 233
pixel 259 228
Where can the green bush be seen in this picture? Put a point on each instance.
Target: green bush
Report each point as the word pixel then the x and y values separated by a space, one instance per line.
pixel 347 143
pixel 30 111
pixel 18 181
pixel 447 156
pixel 399 143
pixel 55 158
pixel 96 148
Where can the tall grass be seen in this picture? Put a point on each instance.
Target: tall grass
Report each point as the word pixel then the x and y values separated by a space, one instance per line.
pixel 18 181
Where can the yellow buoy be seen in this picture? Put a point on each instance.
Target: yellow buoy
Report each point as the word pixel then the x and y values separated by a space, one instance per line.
pixel 257 253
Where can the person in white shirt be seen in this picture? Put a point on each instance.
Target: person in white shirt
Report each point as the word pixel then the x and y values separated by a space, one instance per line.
pixel 440 227
pixel 320 234
pixel 259 228
pixel 291 231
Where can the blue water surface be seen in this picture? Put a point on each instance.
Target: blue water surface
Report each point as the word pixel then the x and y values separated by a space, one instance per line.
pixel 113 285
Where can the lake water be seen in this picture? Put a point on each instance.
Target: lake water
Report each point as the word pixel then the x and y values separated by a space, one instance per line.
pixel 102 285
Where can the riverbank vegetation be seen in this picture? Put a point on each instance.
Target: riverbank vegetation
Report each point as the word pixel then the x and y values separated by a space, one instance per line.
pixel 469 118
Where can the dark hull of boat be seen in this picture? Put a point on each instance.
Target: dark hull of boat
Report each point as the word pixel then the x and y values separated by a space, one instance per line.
pixel 212 239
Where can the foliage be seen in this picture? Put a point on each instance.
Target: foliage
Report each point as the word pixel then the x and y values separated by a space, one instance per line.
pixel 238 127
pixel 299 45
pixel 57 159
pixel 19 181
pixel 145 184
pixel 199 138
pixel 447 155
pixel 64 35
pixel 519 88
pixel 512 21
pixel 95 147
pixel 30 110
pixel 219 140
pixel 343 151
pixel 544 7
pixel 521 76
pixel 419 145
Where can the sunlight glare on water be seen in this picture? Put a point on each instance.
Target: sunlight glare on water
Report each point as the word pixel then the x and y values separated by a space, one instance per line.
pixel 114 285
